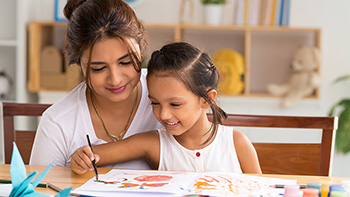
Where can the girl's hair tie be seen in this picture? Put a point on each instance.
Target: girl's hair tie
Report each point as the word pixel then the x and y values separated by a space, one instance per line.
pixel 212 67
pixel 160 52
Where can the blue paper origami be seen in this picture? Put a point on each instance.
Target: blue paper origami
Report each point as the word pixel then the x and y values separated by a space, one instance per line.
pixel 21 185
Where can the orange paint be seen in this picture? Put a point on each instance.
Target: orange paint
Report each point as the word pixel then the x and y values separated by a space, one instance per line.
pixel 203 186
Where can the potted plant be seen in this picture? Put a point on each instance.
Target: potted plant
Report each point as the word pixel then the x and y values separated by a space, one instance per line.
pixel 205 2
pixel 213 11
pixel 342 139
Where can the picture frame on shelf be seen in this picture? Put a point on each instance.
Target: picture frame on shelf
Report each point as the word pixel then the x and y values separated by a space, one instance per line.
pixel 133 3
pixel 59 6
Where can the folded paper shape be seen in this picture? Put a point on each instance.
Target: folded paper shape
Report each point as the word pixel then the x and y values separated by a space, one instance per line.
pixel 21 185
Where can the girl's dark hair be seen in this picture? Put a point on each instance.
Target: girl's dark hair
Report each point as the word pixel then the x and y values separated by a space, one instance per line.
pixel 194 68
pixel 90 21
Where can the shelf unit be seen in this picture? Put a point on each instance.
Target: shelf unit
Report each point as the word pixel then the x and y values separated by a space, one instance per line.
pixel 8 42
pixel 13 60
pixel 267 51
pixel 13 46
pixel 42 34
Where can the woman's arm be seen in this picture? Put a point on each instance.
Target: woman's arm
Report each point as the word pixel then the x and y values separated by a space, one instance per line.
pixel 246 153
pixel 142 145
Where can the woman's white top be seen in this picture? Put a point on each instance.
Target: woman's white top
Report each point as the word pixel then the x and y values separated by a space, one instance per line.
pixel 64 126
pixel 220 155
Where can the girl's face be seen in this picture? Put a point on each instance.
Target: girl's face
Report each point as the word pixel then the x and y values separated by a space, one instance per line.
pixel 175 107
pixel 112 73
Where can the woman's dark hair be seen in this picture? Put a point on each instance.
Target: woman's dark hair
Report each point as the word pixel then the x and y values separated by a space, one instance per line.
pixel 194 68
pixel 90 21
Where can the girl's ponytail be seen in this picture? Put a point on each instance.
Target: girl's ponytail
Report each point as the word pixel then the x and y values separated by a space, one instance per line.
pixel 218 116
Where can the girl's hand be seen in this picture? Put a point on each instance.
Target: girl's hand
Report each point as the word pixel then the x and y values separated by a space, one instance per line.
pixel 82 160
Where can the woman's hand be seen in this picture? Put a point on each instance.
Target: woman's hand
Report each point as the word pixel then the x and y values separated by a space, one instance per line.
pixel 82 160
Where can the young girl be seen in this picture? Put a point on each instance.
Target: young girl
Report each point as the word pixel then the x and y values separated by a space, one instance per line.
pixel 105 38
pixel 182 84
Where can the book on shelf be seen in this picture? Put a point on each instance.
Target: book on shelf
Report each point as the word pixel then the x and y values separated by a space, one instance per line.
pixel 239 12
pixel 254 12
pixel 246 12
pixel 269 12
pixel 277 12
pixel 262 12
pixel 285 13
pixel 273 13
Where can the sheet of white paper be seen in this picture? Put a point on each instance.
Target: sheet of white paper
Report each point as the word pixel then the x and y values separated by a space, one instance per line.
pixel 5 189
pixel 138 182
pixel 124 194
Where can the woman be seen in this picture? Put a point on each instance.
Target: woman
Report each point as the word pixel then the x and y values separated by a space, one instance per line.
pixel 105 38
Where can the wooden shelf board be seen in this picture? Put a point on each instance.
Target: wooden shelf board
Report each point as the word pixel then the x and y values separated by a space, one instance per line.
pixel 8 43
pixel 203 26
pixel 262 95
pixel 247 35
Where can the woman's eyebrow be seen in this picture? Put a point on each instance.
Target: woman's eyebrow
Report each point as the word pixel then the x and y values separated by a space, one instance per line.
pixel 124 56
pixel 98 63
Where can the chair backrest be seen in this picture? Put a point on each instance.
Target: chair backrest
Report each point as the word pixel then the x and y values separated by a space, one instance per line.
pixel 292 158
pixel 274 158
pixel 24 139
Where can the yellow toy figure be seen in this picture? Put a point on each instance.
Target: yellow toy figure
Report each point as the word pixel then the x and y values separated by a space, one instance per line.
pixel 231 67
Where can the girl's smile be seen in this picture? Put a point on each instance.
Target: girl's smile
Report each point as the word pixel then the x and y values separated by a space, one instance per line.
pixel 171 125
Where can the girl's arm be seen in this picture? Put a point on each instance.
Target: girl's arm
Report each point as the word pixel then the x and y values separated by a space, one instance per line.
pixel 142 145
pixel 246 153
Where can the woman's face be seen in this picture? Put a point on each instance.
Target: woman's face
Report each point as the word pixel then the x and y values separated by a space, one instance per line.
pixel 112 73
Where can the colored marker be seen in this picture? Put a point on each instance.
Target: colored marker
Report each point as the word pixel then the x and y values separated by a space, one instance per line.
pixel 291 191
pixel 9 181
pixel 54 187
pixel 282 186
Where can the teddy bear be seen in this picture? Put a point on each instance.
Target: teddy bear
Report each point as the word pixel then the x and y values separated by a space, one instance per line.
pixel 304 78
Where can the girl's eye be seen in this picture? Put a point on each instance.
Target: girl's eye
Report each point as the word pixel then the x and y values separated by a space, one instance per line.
pixel 125 63
pixel 98 69
pixel 154 103
pixel 175 104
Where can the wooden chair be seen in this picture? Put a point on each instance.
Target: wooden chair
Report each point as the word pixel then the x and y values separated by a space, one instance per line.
pixel 292 158
pixel 24 139
pixel 275 158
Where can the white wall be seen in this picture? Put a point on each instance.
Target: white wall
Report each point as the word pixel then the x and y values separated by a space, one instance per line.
pixel 333 17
